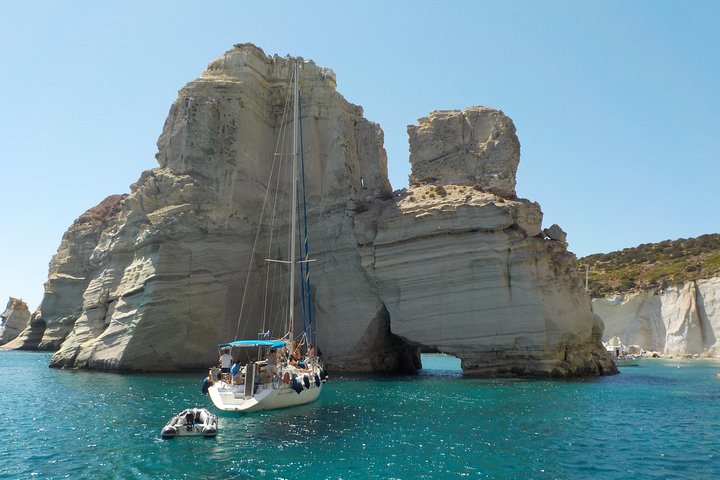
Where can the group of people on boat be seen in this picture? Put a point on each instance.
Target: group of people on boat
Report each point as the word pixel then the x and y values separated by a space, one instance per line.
pixel 231 371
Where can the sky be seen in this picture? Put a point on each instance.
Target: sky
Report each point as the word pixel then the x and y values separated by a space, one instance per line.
pixel 616 103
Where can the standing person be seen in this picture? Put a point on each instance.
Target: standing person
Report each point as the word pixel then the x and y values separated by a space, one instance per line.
pixel 225 361
pixel 296 350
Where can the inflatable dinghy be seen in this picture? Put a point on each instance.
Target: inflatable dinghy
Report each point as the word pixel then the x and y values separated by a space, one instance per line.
pixel 191 422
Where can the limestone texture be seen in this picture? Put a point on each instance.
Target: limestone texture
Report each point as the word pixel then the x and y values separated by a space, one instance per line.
pixel 81 255
pixel 455 263
pixel 681 320
pixel 13 320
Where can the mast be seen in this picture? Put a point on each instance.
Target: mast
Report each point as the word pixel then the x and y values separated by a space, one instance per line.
pixel 293 210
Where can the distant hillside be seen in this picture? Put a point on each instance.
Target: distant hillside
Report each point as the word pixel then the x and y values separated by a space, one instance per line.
pixel 653 265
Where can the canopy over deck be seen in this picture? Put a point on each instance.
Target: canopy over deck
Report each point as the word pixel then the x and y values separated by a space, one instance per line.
pixel 253 343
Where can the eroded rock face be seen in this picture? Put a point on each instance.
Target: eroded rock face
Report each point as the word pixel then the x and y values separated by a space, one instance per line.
pixel 13 320
pixel 477 146
pixel 464 268
pixel 681 320
pixel 455 263
pixel 174 286
pixel 81 254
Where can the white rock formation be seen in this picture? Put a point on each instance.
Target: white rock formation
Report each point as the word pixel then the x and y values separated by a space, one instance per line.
pixel 462 266
pixel 13 320
pixel 477 146
pixel 456 263
pixel 177 258
pixel 682 320
pixel 76 261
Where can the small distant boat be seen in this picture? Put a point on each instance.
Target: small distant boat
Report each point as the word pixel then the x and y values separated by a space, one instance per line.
pixel 623 359
pixel 616 350
pixel 627 361
pixel 191 422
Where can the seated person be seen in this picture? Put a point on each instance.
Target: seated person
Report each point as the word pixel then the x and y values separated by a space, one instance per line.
pixel 272 362
pixel 310 355
pixel 235 374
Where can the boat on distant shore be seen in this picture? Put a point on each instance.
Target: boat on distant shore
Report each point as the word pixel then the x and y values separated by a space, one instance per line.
pixel 627 361
pixel 621 358
pixel 191 422
pixel 620 353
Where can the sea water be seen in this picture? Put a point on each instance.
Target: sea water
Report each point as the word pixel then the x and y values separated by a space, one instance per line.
pixel 658 420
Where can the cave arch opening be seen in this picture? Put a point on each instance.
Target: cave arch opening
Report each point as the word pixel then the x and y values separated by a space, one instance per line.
pixel 437 362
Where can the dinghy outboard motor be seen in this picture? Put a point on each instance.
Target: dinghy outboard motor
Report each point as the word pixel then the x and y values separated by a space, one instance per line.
pixel 190 419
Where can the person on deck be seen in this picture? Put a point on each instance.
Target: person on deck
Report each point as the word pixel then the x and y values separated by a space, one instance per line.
pixel 272 361
pixel 234 371
pixel 310 355
pixel 225 362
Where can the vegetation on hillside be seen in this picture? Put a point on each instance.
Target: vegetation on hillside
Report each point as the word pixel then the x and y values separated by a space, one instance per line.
pixel 653 265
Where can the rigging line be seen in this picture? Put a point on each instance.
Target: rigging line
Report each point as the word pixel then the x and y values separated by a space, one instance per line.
pixel 293 207
pixel 305 281
pixel 301 278
pixel 302 237
pixel 257 233
pixel 271 268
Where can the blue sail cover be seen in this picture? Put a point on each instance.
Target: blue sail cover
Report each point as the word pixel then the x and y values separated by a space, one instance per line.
pixel 253 343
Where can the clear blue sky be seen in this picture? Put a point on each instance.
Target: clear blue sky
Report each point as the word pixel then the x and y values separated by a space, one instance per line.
pixel 616 104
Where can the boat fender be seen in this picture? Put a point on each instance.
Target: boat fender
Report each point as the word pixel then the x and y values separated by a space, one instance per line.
pixel 306 381
pixel 317 380
pixel 205 386
pixel 209 431
pixel 296 385
pixel 168 432
pixel 323 374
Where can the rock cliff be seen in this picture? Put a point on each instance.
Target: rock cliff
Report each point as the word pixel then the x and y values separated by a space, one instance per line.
pixel 82 254
pixel 683 319
pixel 13 320
pixel 455 263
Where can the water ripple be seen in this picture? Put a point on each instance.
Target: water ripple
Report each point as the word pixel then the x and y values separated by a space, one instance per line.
pixel 657 421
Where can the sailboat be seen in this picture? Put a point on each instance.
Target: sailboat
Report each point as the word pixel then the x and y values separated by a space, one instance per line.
pixel 278 372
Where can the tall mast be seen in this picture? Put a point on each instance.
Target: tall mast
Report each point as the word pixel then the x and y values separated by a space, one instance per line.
pixel 293 213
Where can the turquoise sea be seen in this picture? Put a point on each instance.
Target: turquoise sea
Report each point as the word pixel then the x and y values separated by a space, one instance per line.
pixel 659 420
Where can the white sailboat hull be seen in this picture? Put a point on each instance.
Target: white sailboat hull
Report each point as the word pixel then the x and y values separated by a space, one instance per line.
pixel 231 398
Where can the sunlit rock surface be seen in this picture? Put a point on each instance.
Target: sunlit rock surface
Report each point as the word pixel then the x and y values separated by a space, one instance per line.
pixel 455 263
pixel 82 254
pixel 461 263
pixel 681 320
pixel 13 320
